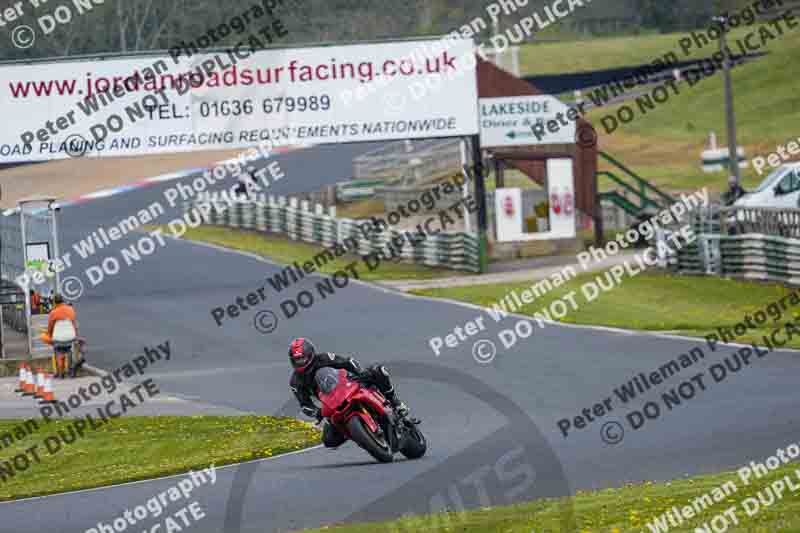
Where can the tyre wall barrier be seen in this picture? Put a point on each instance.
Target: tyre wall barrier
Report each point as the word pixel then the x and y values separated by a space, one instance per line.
pixel 745 243
pixel 270 214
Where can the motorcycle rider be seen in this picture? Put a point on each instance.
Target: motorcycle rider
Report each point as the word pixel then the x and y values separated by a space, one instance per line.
pixel 306 361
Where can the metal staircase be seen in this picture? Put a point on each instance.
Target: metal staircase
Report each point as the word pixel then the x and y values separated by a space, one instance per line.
pixel 643 194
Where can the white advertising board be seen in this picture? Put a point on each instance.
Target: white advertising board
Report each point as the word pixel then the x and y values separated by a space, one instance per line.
pixel 236 99
pixel 509 121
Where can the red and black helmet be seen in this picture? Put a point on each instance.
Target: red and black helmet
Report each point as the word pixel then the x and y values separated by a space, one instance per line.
pixel 301 354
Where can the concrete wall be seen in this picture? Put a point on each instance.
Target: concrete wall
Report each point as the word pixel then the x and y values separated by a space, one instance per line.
pixel 506 251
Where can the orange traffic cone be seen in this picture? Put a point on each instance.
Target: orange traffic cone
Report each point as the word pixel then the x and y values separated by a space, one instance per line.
pixel 28 386
pixel 39 392
pixel 49 395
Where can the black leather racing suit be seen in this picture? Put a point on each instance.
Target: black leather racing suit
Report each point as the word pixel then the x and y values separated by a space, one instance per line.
pixel 304 387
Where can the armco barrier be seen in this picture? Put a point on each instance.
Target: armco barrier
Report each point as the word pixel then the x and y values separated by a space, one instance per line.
pixel 746 243
pixel 270 214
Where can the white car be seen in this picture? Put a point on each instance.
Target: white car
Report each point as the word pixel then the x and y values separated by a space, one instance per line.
pixel 780 189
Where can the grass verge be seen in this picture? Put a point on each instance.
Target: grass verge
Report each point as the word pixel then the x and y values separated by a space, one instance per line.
pixel 136 448
pixel 618 510
pixel 287 251
pixel 689 305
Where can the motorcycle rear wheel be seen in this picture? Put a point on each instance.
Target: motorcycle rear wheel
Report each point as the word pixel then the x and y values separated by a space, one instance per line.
pixel 362 436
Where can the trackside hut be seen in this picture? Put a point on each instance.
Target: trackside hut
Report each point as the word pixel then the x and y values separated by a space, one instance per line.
pixel 559 206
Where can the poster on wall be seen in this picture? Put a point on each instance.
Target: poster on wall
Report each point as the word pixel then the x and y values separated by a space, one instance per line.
pixel 513 217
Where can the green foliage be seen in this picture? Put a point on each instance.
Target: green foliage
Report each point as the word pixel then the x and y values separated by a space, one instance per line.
pixel 148 25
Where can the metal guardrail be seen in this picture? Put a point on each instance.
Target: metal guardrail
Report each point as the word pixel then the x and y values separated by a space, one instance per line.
pixel 14 317
pixel 769 221
pixel 417 161
pixel 270 214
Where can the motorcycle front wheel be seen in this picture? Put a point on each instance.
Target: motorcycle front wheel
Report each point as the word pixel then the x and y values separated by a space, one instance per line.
pixel 414 444
pixel 371 443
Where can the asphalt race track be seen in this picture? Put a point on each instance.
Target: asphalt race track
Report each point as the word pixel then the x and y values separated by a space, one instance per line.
pixel 491 428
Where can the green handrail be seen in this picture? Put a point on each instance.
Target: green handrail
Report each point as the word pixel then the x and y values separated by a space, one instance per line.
pixel 645 201
pixel 622 202
pixel 643 184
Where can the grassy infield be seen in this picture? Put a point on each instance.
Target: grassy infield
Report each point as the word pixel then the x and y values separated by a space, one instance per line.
pixel 134 448
pixel 697 306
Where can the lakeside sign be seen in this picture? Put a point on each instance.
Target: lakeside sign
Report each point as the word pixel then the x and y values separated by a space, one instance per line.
pixel 509 121
pixel 236 99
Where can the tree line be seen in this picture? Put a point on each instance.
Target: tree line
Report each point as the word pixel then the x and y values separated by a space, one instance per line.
pixel 124 26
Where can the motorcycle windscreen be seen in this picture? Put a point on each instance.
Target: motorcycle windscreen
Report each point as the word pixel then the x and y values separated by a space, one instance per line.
pixel 333 386
pixel 327 380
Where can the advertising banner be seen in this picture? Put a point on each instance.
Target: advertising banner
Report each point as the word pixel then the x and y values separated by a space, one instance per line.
pixel 237 98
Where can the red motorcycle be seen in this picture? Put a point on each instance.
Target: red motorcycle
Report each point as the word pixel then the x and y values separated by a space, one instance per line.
pixel 364 416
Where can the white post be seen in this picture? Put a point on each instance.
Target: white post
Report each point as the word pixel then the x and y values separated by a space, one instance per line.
pixel 498 59
pixel 2 335
pixel 56 254
pixel 515 60
pixel 465 192
pixel 25 267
